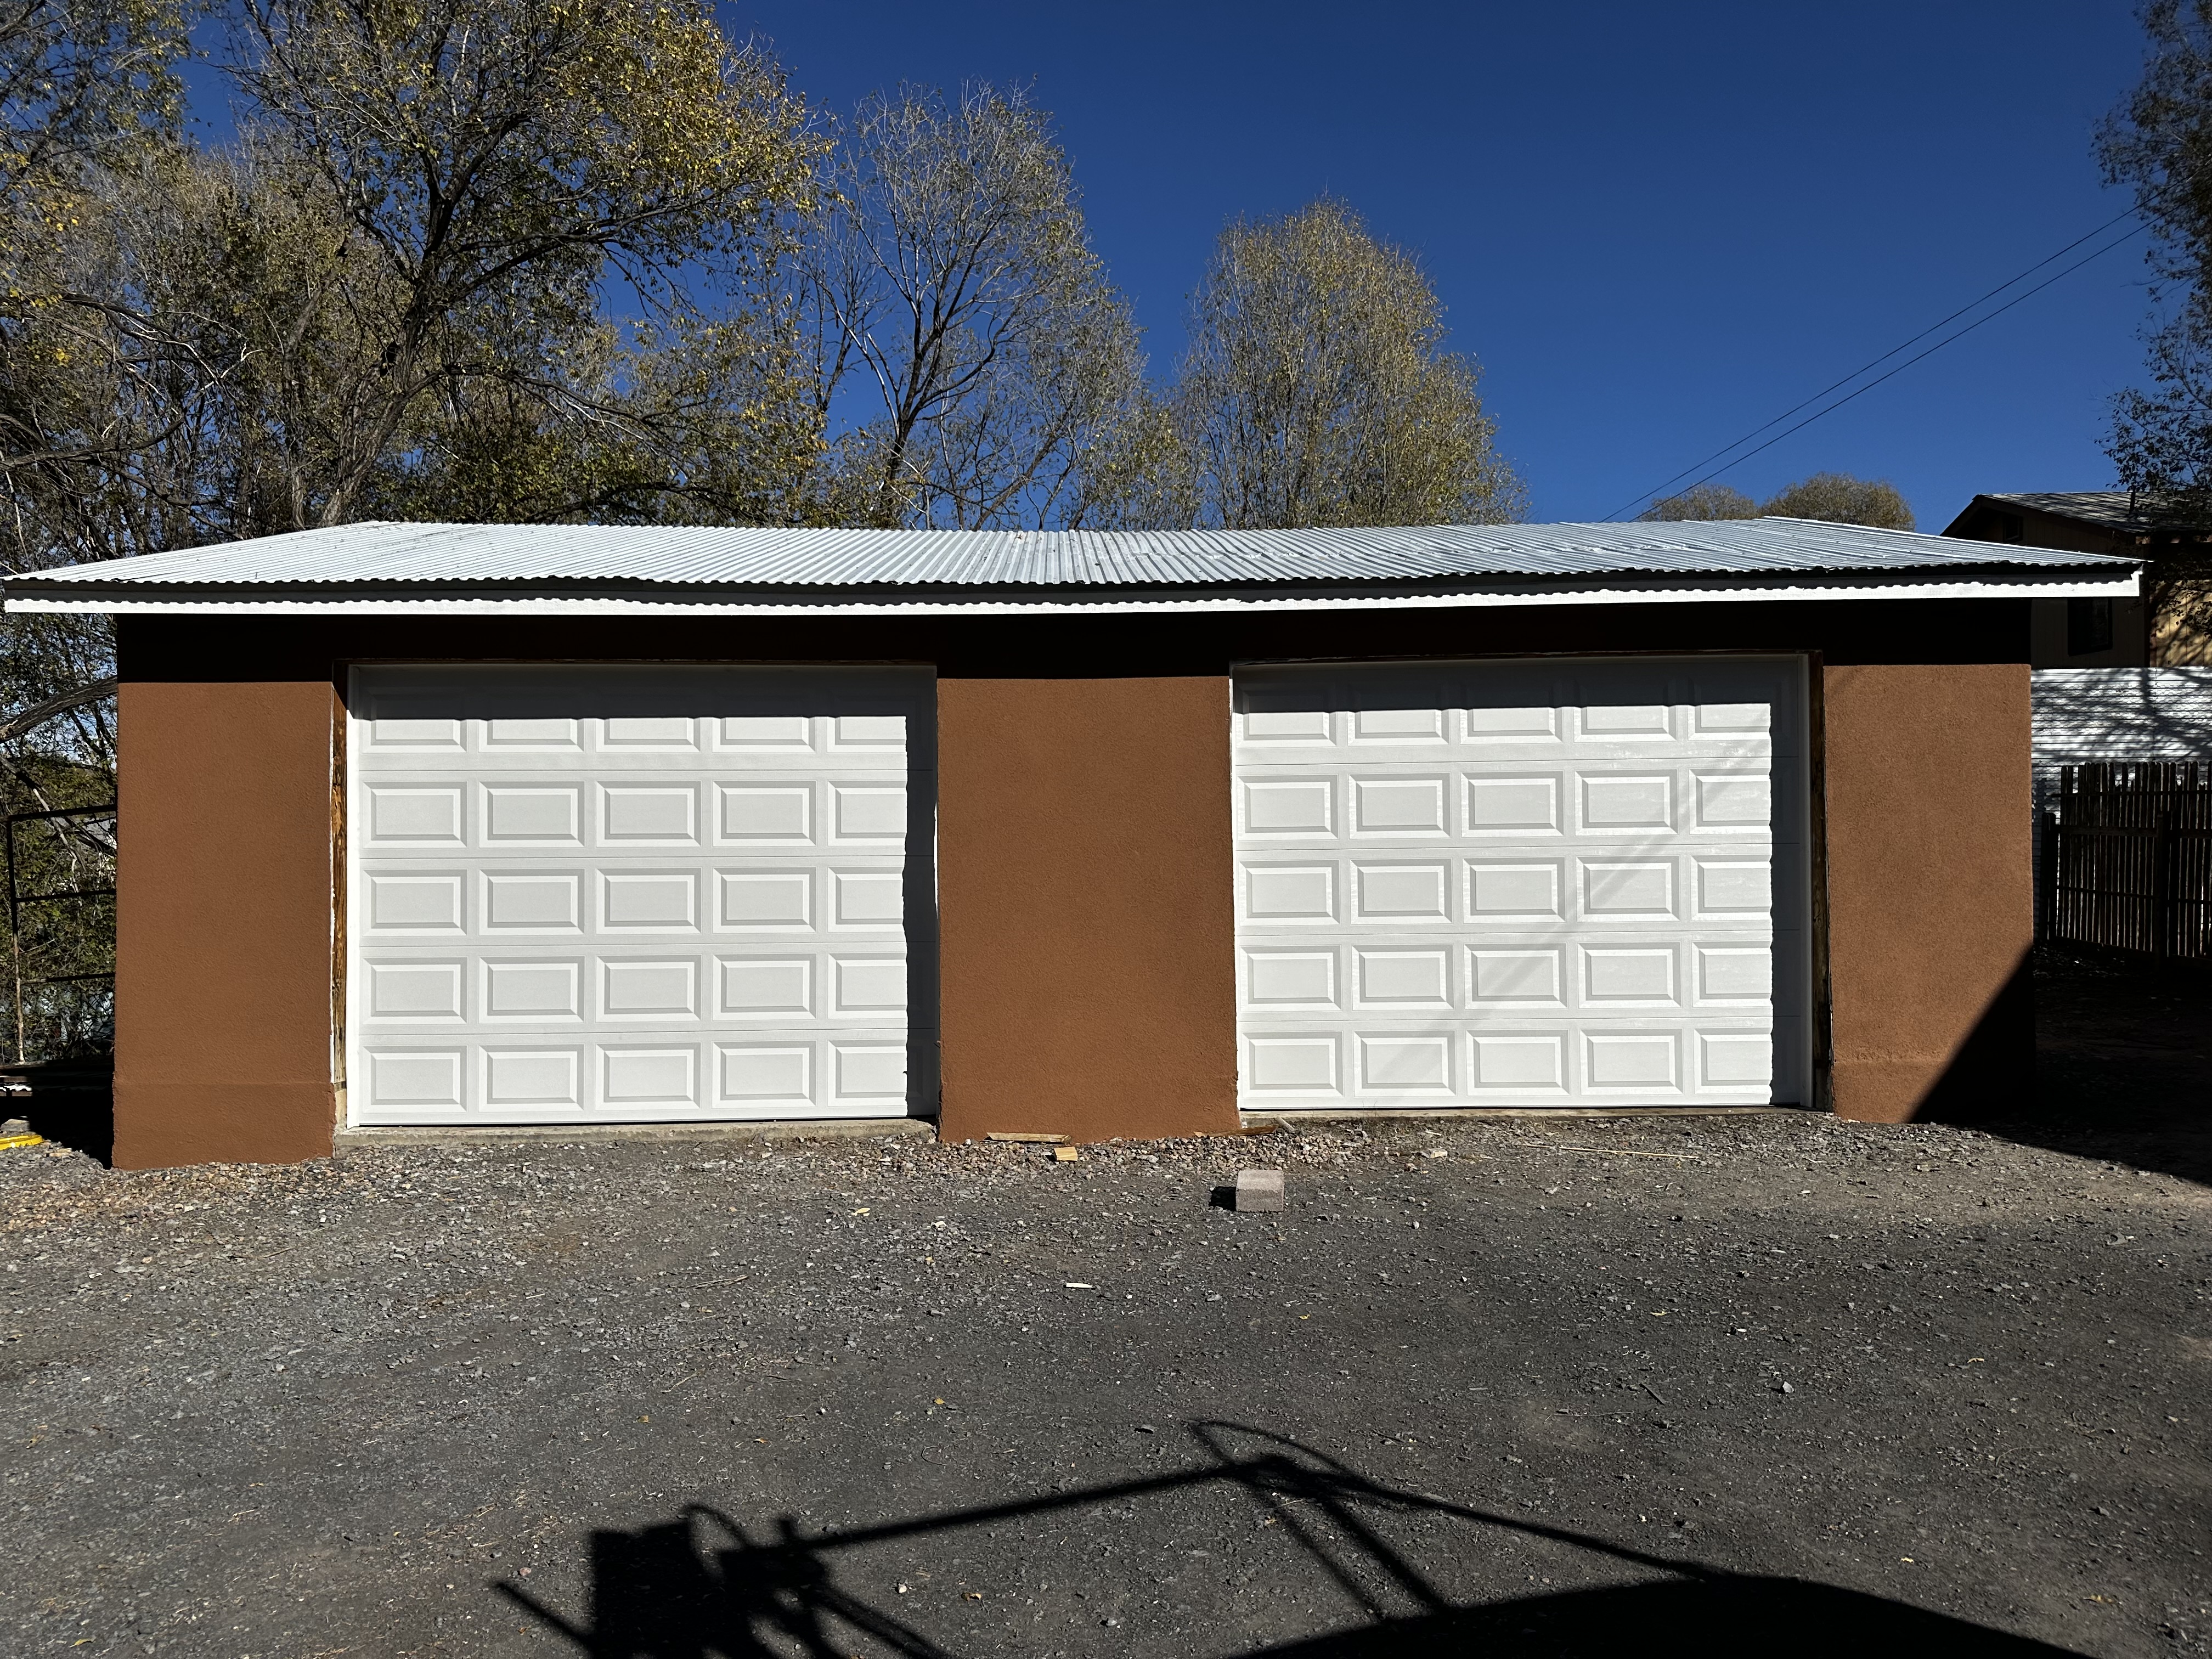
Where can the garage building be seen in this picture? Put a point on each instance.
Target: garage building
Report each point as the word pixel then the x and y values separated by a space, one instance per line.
pixel 1099 833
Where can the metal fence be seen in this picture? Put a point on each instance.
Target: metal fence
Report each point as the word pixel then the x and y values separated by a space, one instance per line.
pixel 2125 858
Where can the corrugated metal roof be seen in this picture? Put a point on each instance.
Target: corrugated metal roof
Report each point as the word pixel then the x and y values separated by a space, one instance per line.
pixel 2122 714
pixel 381 557
pixel 2108 509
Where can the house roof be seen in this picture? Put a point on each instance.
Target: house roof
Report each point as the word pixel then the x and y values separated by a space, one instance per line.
pixel 384 566
pixel 2120 714
pixel 2107 509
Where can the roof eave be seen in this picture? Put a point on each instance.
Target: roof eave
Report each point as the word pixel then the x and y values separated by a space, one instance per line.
pixel 2092 576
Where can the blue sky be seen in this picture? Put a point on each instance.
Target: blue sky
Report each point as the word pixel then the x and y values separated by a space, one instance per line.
pixel 1655 226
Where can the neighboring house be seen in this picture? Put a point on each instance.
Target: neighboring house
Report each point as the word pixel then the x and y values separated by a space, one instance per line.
pixel 2170 624
pixel 1091 833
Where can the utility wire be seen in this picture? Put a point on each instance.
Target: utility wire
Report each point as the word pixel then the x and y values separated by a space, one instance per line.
pixel 1903 345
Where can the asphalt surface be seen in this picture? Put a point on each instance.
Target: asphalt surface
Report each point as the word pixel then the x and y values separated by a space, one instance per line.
pixel 1709 1386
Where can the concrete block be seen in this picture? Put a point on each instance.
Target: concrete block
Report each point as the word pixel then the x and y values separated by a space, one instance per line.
pixel 1260 1189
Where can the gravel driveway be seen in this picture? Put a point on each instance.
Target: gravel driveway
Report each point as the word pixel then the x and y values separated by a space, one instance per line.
pixel 1778 1385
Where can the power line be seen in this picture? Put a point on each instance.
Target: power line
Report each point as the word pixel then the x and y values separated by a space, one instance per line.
pixel 1892 352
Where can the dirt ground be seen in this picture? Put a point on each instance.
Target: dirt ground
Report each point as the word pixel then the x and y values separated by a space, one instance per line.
pixel 1717 1385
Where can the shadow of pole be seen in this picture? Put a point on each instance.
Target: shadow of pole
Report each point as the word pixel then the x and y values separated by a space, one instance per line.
pixel 658 1594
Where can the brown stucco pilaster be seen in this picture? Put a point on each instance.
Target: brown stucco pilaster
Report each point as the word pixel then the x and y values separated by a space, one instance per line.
pixel 1930 898
pixel 1086 891
pixel 223 1040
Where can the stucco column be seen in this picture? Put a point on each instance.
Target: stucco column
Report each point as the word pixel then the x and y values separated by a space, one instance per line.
pixel 1086 903
pixel 223 975
pixel 1930 900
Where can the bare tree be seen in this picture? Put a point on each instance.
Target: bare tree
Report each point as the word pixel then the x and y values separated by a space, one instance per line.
pixel 1317 390
pixel 1835 497
pixel 964 333
pixel 1704 500
pixel 1838 498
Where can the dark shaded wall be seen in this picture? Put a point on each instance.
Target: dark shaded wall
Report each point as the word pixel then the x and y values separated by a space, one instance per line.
pixel 1086 898
pixel 1086 884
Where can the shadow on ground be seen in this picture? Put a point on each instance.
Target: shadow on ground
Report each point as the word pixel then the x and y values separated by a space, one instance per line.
pixel 2123 1052
pixel 699 1583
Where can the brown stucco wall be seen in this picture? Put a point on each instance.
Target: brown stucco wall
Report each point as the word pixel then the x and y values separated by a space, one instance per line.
pixel 1929 899
pixel 1086 875
pixel 224 918
pixel 1086 900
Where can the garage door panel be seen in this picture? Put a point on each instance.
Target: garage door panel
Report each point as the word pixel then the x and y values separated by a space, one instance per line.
pixel 638 896
pixel 1576 867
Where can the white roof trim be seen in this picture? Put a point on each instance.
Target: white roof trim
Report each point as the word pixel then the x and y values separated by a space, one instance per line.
pixel 2069 584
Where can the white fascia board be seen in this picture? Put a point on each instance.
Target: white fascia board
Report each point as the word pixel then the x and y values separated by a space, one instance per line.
pixel 2073 586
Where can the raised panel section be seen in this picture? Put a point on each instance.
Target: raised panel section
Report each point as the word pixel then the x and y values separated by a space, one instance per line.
pixel 1642 890
pixel 1402 892
pixel 768 814
pixel 861 814
pixel 550 733
pixel 1406 1064
pixel 1290 979
pixel 1292 1065
pixel 867 986
pixel 416 990
pixel 662 990
pixel 518 900
pixel 649 901
pixel 1306 893
pixel 633 1078
pixel 415 904
pixel 528 815
pixel 533 990
pixel 1289 807
pixel 1515 978
pixel 1511 1060
pixel 649 815
pixel 1503 806
pixel 414 1081
pixel 754 987
pixel 532 1077
pixel 649 732
pixel 1398 807
pixel 1628 803
pixel 1647 1061
pixel 1513 893
pixel 764 1075
pixel 415 816
pixel 1404 979
pixel 767 898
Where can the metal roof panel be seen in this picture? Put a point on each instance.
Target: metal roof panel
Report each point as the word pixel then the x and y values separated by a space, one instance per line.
pixel 382 556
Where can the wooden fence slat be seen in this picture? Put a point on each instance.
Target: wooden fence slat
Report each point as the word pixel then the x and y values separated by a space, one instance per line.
pixel 2126 849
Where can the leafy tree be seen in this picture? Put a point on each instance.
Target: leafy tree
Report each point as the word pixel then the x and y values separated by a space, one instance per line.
pixel 960 322
pixel 1835 497
pixel 1317 390
pixel 83 82
pixel 2158 142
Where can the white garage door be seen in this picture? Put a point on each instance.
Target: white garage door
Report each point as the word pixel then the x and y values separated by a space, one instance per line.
pixel 1543 883
pixel 618 894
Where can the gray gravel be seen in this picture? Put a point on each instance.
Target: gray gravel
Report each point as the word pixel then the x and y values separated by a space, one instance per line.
pixel 1737 1384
